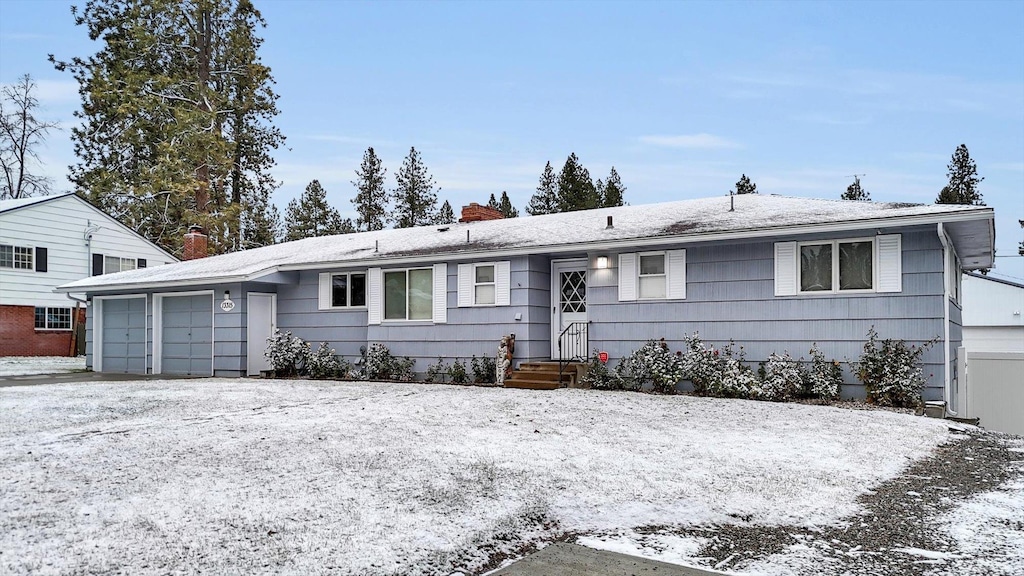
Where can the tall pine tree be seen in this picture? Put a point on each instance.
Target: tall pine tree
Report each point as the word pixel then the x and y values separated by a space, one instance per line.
pixel 963 180
pixel 506 208
pixel 614 191
pixel 545 200
pixel 492 202
pixel 176 117
pixel 446 215
pixel 415 196
pixel 310 215
pixel 372 198
pixel 576 191
pixel 745 186
pixel 856 192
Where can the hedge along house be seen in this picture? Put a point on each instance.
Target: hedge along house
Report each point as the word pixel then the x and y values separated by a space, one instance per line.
pixel 772 273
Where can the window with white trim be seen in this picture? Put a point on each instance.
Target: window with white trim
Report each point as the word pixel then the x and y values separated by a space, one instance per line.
pixel 837 266
pixel 409 294
pixel 113 264
pixel 955 274
pixel 483 284
pixel 17 257
pixel 348 290
pixel 652 276
pixel 53 318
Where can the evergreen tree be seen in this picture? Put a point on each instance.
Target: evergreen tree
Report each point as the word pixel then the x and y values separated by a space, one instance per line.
pixel 176 116
pixel 856 192
pixel 261 222
pixel 545 200
pixel 21 133
pixel 372 198
pixel 310 215
pixel 415 197
pixel 963 180
pixel 745 186
pixel 446 215
pixel 506 208
pixel 576 191
pixel 614 192
pixel 493 202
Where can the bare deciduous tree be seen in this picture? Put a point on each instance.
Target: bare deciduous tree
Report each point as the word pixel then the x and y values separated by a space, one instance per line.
pixel 21 133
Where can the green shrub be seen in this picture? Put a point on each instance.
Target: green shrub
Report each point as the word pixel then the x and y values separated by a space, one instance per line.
pixel 824 378
pixel 286 353
pixel 458 373
pixel 653 363
pixel 599 377
pixel 380 364
pixel 782 378
pixel 891 372
pixel 484 369
pixel 322 363
pixel 437 373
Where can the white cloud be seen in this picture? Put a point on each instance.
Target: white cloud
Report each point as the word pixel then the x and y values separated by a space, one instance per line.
pixel 702 140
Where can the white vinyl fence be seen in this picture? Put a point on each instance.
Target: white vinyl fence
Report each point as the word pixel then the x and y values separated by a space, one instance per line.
pixel 995 390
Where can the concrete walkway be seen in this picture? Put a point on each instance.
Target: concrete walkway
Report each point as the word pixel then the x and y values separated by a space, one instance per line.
pixel 573 560
pixel 71 377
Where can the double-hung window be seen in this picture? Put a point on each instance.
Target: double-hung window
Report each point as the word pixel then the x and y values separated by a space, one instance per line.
pixel 652 276
pixel 483 284
pixel 348 290
pixel 837 266
pixel 409 294
pixel 113 264
pixel 17 257
pixel 53 318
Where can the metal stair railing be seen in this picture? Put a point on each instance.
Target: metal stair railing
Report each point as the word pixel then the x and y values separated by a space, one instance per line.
pixel 573 344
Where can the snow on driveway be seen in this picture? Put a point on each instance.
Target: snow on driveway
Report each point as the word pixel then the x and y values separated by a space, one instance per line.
pixel 251 476
pixel 29 365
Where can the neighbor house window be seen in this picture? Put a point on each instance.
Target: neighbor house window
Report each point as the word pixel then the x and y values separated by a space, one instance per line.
pixel 838 266
pixel 652 276
pixel 483 284
pixel 348 290
pixel 17 257
pixel 53 318
pixel 409 294
pixel 113 264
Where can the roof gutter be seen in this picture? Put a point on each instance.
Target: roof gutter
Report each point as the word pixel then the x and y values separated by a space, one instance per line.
pixel 947 391
pixel 625 243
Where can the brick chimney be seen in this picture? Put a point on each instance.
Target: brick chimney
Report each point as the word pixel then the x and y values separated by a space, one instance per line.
pixel 475 213
pixel 195 244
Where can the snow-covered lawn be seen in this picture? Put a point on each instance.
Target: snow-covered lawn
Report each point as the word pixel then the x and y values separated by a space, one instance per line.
pixel 252 476
pixel 28 365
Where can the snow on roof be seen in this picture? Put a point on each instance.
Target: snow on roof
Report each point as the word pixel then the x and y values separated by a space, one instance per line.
pixel 15 203
pixel 681 219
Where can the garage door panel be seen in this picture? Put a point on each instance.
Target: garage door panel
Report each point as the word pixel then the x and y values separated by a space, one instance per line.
pixel 187 335
pixel 124 335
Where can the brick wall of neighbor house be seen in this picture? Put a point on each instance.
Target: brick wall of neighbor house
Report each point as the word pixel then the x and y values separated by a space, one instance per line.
pixel 19 337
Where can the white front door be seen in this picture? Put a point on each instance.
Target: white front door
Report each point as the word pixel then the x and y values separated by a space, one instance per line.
pixel 569 309
pixel 262 319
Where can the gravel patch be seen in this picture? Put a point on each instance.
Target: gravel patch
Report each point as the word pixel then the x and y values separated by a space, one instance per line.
pixel 898 532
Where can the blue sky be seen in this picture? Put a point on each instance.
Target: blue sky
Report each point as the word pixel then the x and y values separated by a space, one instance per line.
pixel 680 97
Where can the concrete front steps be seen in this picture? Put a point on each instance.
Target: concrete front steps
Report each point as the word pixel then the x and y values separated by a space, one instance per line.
pixel 544 376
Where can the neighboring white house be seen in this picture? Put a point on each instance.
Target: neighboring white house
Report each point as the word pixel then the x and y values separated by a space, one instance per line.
pixel 52 240
pixel 993 315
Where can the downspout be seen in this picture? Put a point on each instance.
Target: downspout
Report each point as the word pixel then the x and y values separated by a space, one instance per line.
pixel 945 314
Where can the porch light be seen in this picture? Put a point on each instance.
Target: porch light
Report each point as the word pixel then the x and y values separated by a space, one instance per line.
pixel 602 262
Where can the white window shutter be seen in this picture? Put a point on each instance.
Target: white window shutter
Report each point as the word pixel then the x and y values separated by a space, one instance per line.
pixel 440 293
pixel 502 283
pixel 325 291
pixel 676 272
pixel 890 263
pixel 785 269
pixel 627 277
pixel 465 285
pixel 374 296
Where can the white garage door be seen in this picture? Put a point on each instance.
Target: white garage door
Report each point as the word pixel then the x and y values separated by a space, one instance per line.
pixel 187 335
pixel 124 335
